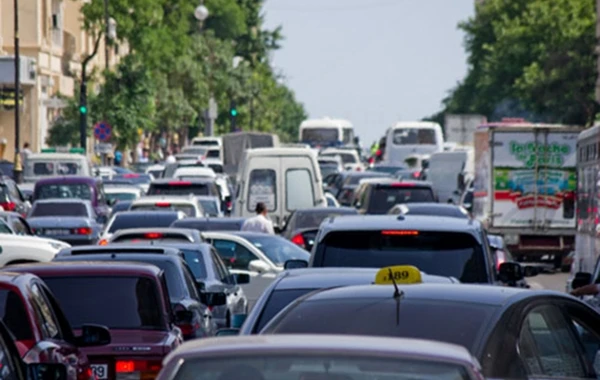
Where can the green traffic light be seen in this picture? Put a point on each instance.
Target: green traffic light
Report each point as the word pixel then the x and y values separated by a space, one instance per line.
pixel 233 112
pixel 83 109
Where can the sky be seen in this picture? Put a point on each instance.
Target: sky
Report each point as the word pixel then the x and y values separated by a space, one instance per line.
pixel 372 62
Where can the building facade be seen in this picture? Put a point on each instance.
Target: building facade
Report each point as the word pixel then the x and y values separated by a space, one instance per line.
pixel 52 46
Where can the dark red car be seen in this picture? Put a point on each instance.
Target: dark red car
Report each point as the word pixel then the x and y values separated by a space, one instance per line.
pixel 130 299
pixel 39 328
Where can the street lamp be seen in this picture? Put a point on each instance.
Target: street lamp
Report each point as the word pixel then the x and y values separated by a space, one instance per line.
pixel 201 13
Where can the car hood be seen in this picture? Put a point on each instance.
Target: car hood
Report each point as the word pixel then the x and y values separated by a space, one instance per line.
pixel 58 222
pixel 33 240
pixel 135 342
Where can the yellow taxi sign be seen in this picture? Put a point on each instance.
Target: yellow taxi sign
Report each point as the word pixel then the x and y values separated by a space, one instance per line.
pixel 402 274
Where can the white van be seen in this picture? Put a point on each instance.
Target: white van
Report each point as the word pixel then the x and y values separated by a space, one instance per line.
pixel 406 138
pixel 284 179
pixel 44 165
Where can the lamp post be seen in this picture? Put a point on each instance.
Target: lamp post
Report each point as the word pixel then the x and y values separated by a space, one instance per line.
pixel 201 14
pixel 18 165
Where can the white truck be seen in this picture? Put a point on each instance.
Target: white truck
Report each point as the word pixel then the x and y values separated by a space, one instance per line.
pixel 525 185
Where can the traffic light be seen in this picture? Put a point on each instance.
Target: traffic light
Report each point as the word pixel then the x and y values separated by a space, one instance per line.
pixel 83 109
pixel 233 112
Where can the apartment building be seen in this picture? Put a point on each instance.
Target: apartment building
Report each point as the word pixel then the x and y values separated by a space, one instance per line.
pixel 52 46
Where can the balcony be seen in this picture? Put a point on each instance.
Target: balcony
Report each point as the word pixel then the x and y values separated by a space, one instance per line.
pixel 57 38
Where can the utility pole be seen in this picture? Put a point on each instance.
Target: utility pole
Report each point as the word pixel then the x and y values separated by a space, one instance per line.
pixel 106 34
pixel 18 165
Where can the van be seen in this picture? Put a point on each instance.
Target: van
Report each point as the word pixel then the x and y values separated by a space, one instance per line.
pixel 45 165
pixel 284 179
pixel 408 138
pixel 447 172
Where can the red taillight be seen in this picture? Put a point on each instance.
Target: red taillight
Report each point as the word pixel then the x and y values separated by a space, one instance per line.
pixel 8 206
pixel 153 235
pixel 188 329
pixel 103 242
pixel 416 174
pixel 163 204
pixel 128 366
pixel 400 233
pixel 299 240
pixel 180 183
pixel 358 169
pixel 86 375
pixel 83 231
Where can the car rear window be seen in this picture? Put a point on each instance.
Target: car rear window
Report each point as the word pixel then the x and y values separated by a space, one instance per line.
pixel 384 198
pixel 13 311
pixel 181 188
pixel 121 196
pixel 187 209
pixel 452 254
pixel 76 190
pixel 135 178
pixel 278 300
pixel 127 220
pixel 115 302
pixel 58 209
pixel 446 321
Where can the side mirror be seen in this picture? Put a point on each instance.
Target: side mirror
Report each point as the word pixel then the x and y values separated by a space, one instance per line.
pixel 200 286
pixel 227 332
pixel 241 278
pixel 237 320
pixel 510 272
pixel 295 264
pixel 259 266
pixel 581 279
pixel 42 371
pixel 93 335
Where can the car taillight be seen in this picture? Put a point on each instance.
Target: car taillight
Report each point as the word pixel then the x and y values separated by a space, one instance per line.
pixel 416 174
pixel 8 206
pixel 299 240
pixel 103 242
pixel 188 329
pixel 83 231
pixel 153 235
pixel 163 204
pixel 88 374
pixel 147 369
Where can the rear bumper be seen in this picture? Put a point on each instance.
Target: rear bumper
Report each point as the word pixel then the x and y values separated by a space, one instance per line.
pixel 74 240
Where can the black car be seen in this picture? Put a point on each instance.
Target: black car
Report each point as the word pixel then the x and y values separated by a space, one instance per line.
pixel 351 182
pixel 377 196
pixel 197 186
pixel 16 222
pixel 302 225
pixel 210 224
pixel 11 198
pixel 514 333
pixel 181 285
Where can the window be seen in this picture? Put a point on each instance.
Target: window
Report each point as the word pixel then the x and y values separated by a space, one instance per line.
pixel 43 168
pixel 262 187
pixel 49 324
pixel 348 136
pixel 196 263
pixel 79 191
pixel 19 228
pixel 235 255
pixel 8 364
pixel 298 189
pixel 414 136
pixel 13 311
pixel 220 270
pixel 320 135
pixel 547 346
pixel 59 209
pixel 189 282
pixel 384 198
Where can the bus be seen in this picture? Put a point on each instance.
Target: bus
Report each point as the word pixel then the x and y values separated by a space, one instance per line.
pixel 407 138
pixel 587 238
pixel 326 132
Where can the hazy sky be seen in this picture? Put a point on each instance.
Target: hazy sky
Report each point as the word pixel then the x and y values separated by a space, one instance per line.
pixel 372 62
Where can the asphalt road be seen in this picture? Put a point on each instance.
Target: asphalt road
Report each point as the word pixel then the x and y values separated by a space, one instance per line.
pixel 553 281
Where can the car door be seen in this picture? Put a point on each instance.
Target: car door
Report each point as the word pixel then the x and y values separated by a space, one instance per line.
pixel 236 302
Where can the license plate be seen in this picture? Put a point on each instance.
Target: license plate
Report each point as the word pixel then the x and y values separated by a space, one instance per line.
pixel 58 232
pixel 100 371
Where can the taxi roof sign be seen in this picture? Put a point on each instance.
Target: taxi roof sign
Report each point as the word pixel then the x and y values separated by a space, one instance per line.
pixel 400 274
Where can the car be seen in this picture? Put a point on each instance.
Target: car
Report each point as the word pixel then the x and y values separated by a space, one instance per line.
pixel 210 224
pixel 350 157
pixel 155 235
pixel 41 332
pixel 122 193
pixel 211 205
pixel 184 293
pixel 319 357
pixel 515 333
pixel 70 220
pixel 193 172
pixel 431 209
pixel 155 170
pixel 26 189
pixel 293 284
pixel 140 219
pixel 128 298
pixel 73 186
pixel 377 196
pixel 11 198
pixel 197 186
pixel 349 183
pixel 449 247
pixel 16 222
pixel 187 204
pixel 16 249
pixel 120 206
pixel 213 277
pixel 302 225
pixel 14 368
pixel 140 179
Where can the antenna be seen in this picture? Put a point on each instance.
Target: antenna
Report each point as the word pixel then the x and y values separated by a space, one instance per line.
pixel 397 296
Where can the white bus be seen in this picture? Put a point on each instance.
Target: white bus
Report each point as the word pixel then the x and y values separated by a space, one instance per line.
pixel 326 132
pixel 408 138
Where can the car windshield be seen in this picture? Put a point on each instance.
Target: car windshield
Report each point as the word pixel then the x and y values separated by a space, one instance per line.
pixel 210 207
pixel 318 367
pixel 58 209
pixel 317 135
pixel 277 249
pixel 187 209
pixel 179 189
pixel 327 169
pixel 196 263
pixel 131 303
pixel 384 198
pixel 414 136
pixel 314 219
pixel 453 254
pixel 121 196
pixel 446 321
pixel 127 220
pixel 277 301
pixel 68 191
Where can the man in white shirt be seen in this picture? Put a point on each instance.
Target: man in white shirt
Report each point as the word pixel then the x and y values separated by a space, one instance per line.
pixel 260 222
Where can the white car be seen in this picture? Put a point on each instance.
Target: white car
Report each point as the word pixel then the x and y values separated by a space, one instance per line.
pixel 17 249
pixel 188 204
pixel 349 157
pixel 156 170
pixel 188 172
pixel 123 193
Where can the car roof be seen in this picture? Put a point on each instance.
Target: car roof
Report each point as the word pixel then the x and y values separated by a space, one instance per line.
pixel 143 258
pixel 459 293
pixel 398 182
pixel 68 179
pixel 327 210
pixel 193 181
pixel 89 267
pixel 334 344
pixel 115 248
pixel 171 198
pixel 199 247
pixel 413 222
pixel 64 200
pixel 322 278
pixel 164 230
pixel 122 188
pixel 135 213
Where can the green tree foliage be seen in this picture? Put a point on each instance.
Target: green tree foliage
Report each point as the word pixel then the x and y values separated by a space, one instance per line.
pixel 531 55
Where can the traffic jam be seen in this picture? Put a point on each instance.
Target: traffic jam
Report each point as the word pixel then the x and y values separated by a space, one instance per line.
pixel 244 257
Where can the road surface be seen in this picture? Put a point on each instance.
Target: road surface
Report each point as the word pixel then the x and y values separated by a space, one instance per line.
pixel 553 281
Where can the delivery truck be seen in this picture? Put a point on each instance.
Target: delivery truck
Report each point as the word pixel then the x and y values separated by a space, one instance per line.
pixel 525 186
